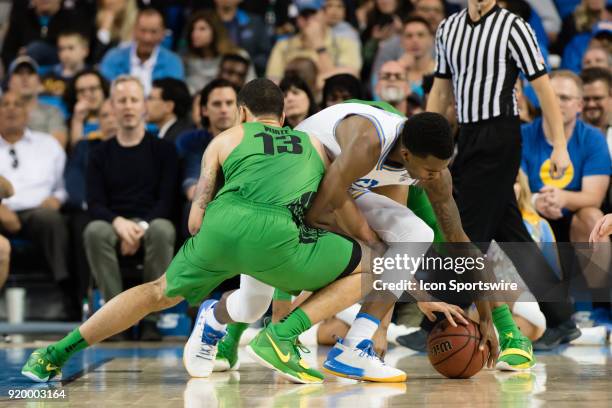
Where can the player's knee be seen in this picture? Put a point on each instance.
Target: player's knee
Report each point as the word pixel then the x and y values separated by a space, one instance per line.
pixel 413 229
pixel 158 294
pixel 246 308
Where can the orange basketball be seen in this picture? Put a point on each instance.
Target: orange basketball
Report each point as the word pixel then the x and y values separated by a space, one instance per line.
pixel 453 351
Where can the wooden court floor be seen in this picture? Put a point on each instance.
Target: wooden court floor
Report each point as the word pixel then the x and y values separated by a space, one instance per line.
pixel 152 375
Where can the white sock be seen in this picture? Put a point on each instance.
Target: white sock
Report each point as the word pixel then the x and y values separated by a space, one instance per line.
pixel 212 321
pixel 349 314
pixel 362 328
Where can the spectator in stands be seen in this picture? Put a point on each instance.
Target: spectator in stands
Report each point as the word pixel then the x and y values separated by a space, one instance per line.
pixel 246 30
pixel 76 204
pixel 115 22
pixel 433 11
pixel 72 50
pixel 383 24
pixel 234 68
pixel 34 29
pixel 131 187
pixel 218 112
pixel 315 40
pixel 299 100
pixel 577 31
pixel 207 41
pixel 34 163
pixel 571 203
pixel 339 88
pixel 306 69
pixel 597 97
pixel 335 18
pixel 414 50
pixel 167 107
pixel 84 98
pixel 25 82
pixel 392 86
pixel 144 58
pixel 596 57
pixel 6 191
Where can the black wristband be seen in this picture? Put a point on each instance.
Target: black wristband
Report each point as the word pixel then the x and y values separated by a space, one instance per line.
pixel 321 50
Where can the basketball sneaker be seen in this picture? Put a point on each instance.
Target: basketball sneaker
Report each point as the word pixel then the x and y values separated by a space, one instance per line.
pixel 41 366
pixel 360 363
pixel 227 355
pixel 516 353
pixel 201 348
pixel 283 356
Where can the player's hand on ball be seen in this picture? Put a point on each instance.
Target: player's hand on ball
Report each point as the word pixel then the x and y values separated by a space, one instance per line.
pixel 451 312
pixel 487 335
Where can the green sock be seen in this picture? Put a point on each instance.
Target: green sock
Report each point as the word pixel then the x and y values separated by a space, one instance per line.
pixel 234 332
pixel 502 318
pixel 296 323
pixel 69 345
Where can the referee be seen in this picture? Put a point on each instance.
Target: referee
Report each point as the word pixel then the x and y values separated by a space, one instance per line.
pixel 480 51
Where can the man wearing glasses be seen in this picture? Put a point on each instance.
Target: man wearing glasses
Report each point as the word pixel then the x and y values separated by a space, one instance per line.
pixel 34 164
pixel 571 203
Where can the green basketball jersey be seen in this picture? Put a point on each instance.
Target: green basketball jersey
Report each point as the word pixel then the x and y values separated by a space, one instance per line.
pixel 275 166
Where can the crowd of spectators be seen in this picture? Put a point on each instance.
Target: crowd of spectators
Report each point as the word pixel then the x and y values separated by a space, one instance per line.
pixel 100 172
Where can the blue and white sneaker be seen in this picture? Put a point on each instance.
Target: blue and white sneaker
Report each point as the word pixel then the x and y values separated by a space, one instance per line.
pixel 360 363
pixel 201 347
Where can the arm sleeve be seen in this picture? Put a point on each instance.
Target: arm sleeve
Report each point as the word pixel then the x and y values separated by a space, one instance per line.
pixel 97 197
pixel 442 68
pixel 596 159
pixel 167 189
pixel 525 50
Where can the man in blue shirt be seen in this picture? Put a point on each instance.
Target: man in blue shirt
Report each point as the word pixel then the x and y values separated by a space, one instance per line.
pixel 572 202
pixel 144 58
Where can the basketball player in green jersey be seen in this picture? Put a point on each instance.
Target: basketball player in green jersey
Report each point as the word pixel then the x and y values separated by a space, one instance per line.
pixel 254 226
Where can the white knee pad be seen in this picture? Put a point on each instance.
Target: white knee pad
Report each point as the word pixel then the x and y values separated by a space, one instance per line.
pixel 529 310
pixel 249 303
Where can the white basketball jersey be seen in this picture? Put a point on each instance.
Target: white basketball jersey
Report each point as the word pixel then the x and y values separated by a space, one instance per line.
pixel 388 126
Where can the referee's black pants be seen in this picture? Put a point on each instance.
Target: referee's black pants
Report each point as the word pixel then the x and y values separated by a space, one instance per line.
pixel 484 172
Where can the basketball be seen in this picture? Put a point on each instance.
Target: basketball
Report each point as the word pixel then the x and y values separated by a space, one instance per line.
pixel 453 351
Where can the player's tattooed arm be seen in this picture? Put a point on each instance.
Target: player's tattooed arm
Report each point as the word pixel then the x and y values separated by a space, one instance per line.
pixel 440 194
pixel 206 187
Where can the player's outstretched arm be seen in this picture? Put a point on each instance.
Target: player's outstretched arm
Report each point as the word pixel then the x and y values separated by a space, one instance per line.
pixel 440 193
pixel 206 186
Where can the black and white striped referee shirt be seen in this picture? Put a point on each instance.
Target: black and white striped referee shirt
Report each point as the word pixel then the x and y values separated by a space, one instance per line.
pixel 483 60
